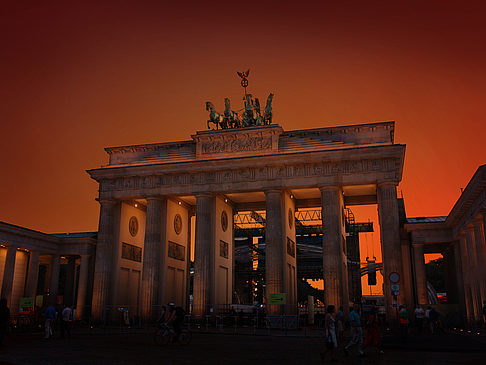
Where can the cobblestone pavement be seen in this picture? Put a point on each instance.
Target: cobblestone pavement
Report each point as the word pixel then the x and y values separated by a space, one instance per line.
pixel 137 348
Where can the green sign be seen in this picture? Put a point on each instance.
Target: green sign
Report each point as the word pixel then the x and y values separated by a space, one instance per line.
pixel 277 298
pixel 39 300
pixel 27 302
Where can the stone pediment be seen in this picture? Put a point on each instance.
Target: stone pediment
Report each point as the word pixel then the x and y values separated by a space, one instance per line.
pixel 237 142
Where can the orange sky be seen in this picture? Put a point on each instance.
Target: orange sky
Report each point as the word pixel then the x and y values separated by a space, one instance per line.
pixel 81 76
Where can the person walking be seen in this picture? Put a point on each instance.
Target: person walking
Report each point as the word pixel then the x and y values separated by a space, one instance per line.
pixel 356 331
pixel 372 337
pixel 50 315
pixel 330 332
pixel 340 324
pixel 419 318
pixel 403 320
pixel 4 318
pixel 484 314
pixel 66 317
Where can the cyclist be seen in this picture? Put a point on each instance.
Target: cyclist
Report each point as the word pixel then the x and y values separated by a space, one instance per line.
pixel 175 319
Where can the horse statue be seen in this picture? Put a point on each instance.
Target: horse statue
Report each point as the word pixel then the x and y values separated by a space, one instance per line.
pixel 258 113
pixel 231 119
pixel 248 116
pixel 214 116
pixel 267 117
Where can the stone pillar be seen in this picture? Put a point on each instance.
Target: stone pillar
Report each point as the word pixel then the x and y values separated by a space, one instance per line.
pixel 82 286
pixel 481 256
pixel 70 283
pixel 473 267
pixel 54 280
pixel 333 257
pixel 450 275
pixel 460 281
pixel 151 258
pixel 390 241
pixel 8 274
pixel 203 291
pixel 105 248
pixel 32 274
pixel 274 270
pixel 420 274
pixel 466 273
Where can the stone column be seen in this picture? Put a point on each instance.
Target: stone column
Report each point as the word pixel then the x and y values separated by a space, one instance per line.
pixel 204 255
pixel 481 255
pixel 390 241
pixel 32 274
pixel 460 281
pixel 54 281
pixel 82 286
pixel 8 273
pixel 274 269
pixel 473 267
pixel 420 274
pixel 450 275
pixel 70 283
pixel 104 260
pixel 151 258
pixel 332 246
pixel 466 273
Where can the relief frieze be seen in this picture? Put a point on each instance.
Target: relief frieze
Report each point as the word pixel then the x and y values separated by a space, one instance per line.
pixel 241 144
pixel 318 169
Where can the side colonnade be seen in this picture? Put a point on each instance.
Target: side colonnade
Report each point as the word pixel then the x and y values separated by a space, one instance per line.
pixel 30 269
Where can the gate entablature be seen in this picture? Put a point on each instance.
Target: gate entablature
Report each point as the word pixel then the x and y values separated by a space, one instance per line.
pixel 367 161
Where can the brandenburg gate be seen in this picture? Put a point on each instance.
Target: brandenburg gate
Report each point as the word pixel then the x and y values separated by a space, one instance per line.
pixel 149 193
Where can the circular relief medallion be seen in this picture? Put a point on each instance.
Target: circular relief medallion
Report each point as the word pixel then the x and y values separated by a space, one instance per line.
pixel 291 218
pixel 178 223
pixel 133 226
pixel 224 220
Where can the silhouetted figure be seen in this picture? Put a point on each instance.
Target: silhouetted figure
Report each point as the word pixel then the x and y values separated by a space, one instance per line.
pixel 4 318
pixel 66 315
pixel 331 339
pixel 50 315
pixel 372 337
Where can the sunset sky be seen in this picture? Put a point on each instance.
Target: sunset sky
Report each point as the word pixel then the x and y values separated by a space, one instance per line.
pixel 80 76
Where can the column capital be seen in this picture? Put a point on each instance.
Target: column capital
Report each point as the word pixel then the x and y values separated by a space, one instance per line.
pixel 478 219
pixel 386 183
pixel 106 201
pixel 273 191
pixel 155 197
pixel 204 195
pixel 329 187
pixel 469 228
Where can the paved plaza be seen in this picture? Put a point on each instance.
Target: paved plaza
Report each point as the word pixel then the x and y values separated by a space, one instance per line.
pixel 138 348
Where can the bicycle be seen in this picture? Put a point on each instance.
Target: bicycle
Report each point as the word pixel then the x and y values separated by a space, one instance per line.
pixel 165 334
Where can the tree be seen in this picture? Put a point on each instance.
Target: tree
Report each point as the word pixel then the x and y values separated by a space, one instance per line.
pixel 436 275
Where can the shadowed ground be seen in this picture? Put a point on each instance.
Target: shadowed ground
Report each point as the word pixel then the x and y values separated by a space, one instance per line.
pixel 139 348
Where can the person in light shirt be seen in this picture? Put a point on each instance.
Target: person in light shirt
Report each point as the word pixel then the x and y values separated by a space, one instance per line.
pixel 66 315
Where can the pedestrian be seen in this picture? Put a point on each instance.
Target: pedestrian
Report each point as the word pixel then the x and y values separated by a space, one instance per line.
pixel 4 318
pixel 330 332
pixel 340 324
pixel 427 316
pixel 419 317
pixel 403 320
pixel 356 331
pixel 434 320
pixel 484 314
pixel 66 315
pixel 50 315
pixel 372 337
